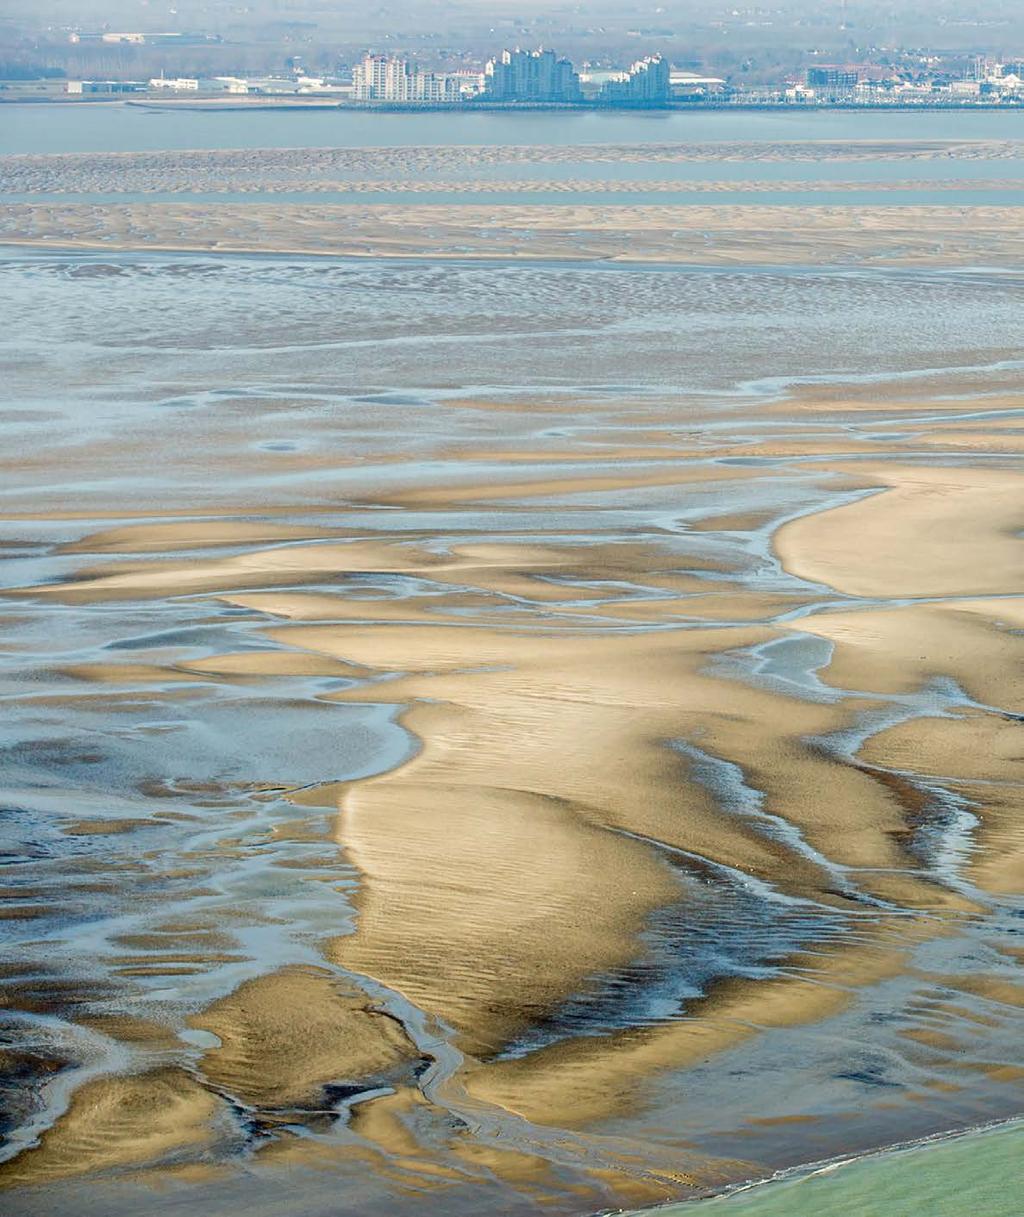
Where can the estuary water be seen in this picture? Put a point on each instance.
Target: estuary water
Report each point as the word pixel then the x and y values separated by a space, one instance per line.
pixel 569 162
pixel 122 128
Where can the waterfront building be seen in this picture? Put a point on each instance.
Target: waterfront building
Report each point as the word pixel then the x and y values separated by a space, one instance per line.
pixel 178 84
pixel 264 84
pixel 200 84
pixel 831 79
pixel 379 78
pixel 646 84
pixel 538 76
pixel 471 83
pixel 593 80
pixel 387 78
pixel 688 86
pixel 141 39
pixel 1004 80
pixel 75 87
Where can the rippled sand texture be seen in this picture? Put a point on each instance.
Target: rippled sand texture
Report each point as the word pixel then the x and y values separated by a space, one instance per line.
pixel 277 169
pixel 730 234
pixel 505 739
pixel 458 170
pixel 945 203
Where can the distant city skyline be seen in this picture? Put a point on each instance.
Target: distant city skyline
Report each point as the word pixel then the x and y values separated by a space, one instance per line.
pixel 861 52
pixel 753 45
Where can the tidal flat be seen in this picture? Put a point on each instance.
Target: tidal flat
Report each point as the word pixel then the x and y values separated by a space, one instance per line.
pixel 508 736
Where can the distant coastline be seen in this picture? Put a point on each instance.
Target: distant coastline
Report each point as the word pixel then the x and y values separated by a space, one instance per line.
pixel 216 104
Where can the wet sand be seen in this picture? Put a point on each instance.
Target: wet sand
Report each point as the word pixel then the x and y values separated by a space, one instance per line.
pixel 308 168
pixel 688 235
pixel 475 794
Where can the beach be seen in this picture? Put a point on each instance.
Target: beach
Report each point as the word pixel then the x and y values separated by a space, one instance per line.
pixel 512 707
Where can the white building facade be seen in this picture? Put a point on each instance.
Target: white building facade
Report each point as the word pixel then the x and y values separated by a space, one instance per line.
pixel 385 78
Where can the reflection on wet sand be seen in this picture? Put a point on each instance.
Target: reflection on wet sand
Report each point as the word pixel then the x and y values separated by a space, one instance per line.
pixel 487 828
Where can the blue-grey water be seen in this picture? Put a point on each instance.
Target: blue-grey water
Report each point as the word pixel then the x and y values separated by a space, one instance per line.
pixel 121 128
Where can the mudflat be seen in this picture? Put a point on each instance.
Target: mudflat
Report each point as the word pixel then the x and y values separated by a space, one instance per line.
pixel 724 234
pixel 474 729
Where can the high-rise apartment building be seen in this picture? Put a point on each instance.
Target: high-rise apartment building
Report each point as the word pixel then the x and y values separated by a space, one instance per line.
pixel 833 79
pixel 531 76
pixel 647 83
pixel 385 78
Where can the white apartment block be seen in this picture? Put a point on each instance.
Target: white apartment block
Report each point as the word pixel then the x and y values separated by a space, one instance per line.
pixel 384 78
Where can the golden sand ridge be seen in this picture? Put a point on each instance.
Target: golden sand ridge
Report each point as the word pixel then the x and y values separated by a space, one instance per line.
pixel 126 1122
pixel 262 1022
pixel 935 532
pixel 478 855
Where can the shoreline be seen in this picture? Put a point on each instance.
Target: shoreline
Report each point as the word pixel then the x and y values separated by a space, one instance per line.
pixel 212 103
pixel 12 248
pixel 15 249
pixel 719 1201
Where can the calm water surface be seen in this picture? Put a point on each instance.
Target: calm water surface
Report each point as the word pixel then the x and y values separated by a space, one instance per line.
pixel 119 128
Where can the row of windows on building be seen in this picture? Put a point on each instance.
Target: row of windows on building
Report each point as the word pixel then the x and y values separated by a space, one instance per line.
pixel 383 78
